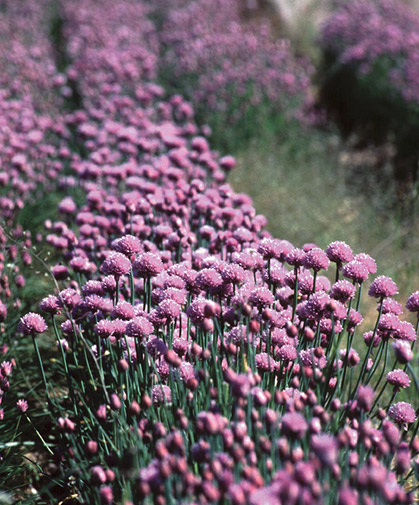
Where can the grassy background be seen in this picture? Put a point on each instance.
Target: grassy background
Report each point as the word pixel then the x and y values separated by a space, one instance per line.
pixel 312 190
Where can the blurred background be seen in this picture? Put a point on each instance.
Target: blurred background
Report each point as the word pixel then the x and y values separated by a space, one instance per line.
pixel 318 102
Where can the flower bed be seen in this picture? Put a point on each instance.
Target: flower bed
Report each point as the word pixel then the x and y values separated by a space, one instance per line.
pixel 194 358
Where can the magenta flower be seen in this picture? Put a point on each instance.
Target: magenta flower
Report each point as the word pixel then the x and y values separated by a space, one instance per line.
pixel 403 351
pixel 147 265
pixel 127 245
pixel 51 304
pixel 123 310
pixel 390 305
pixel 412 304
pixel 382 287
pixel 294 425
pixel 316 259
pixel 139 328
pixel 69 298
pixel 22 406
pixel 32 323
pixel 402 412
pixel 343 290
pixel 356 271
pixel 339 252
pixel 365 397
pixel 325 447
pixel 161 395
pixel 261 297
pixel 368 261
pixel 398 378
pixel 116 264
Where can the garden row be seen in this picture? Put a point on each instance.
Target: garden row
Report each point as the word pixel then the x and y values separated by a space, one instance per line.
pixel 184 354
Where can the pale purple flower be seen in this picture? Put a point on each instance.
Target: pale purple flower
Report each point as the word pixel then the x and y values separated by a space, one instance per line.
pixel 22 406
pixel 398 378
pixel 293 425
pixel 368 261
pixel 261 297
pixel 32 323
pixel 382 287
pixel 139 328
pixel 325 447
pixel 161 395
pixel 403 351
pixel 127 245
pixel 412 304
pixel 339 252
pixel 116 264
pixel 343 290
pixel 402 412
pixel 148 265
pixel 356 271
pixel 316 259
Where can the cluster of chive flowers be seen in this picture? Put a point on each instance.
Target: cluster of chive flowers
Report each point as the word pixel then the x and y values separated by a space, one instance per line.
pixel 377 36
pixel 230 68
pixel 204 361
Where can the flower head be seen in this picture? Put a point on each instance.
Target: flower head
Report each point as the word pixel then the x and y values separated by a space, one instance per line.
pixel 339 252
pixel 356 271
pixel 398 378
pixel 412 304
pixel 316 259
pixel 32 323
pixel 116 264
pixel 382 287
pixel 402 412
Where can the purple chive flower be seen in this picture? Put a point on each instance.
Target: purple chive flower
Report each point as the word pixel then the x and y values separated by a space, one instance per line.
pixel 60 272
pixel 116 264
pixel 402 412
pixel 355 318
pixel 69 298
pixel 261 297
pixel 356 271
pixel 390 305
pixel 316 259
pixel 398 378
pixel 389 323
pixel 368 261
pixel 412 304
pixel 106 495
pixel 123 310
pixel 295 257
pixel 148 265
pixel 22 406
pixel 294 425
pixel 32 323
pixel 382 287
pixel 127 245
pixel 96 303
pixel 169 309
pixel 51 304
pixel 287 353
pixel 365 397
pixel 98 475
pixel 325 447
pixel 209 280
pixel 339 252
pixel 403 351
pixel 342 291
pixel 348 496
pixel 264 362
pixel 67 206
pixel 161 395
pixel 139 328
pixel 406 331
